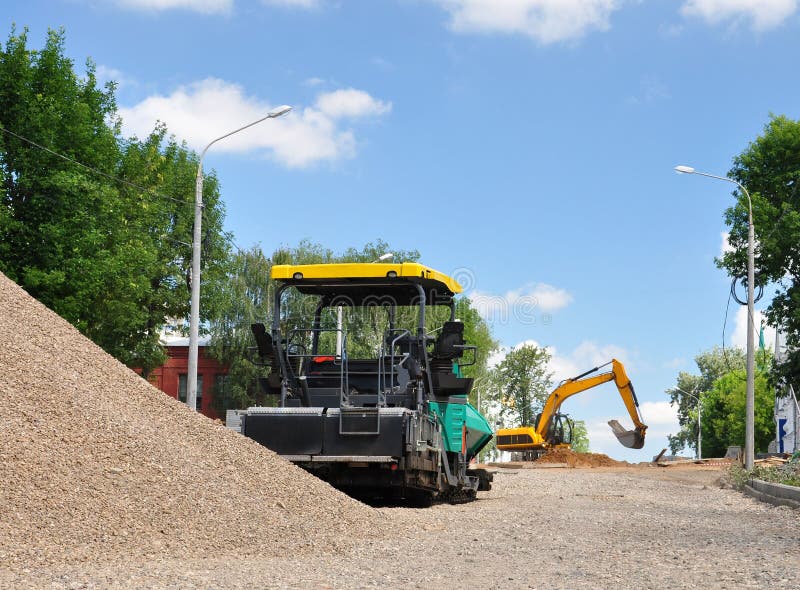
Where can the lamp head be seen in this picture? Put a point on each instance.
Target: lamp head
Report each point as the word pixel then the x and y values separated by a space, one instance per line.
pixel 278 111
pixel 684 169
pixel 386 256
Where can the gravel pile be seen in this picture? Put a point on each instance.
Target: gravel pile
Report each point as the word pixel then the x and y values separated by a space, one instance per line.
pixel 574 459
pixel 96 465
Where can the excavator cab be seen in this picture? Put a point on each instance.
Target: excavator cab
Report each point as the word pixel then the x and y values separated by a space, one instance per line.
pixel 559 430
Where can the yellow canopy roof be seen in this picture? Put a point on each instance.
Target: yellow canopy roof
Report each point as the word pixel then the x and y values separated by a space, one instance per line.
pixel 308 277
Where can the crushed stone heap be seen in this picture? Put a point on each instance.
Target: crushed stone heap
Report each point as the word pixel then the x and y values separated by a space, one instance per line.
pixel 573 459
pixel 97 465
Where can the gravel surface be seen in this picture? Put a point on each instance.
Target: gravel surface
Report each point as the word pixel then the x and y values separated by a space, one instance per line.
pixel 96 465
pixel 544 528
pixel 105 482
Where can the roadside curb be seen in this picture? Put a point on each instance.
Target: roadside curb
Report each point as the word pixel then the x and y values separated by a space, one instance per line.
pixel 774 493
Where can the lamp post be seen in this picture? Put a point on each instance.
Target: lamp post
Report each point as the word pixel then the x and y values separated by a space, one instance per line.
pixel 194 313
pixel 699 420
pixel 749 439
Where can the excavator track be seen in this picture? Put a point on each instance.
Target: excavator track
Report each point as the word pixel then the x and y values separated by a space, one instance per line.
pixel 456 496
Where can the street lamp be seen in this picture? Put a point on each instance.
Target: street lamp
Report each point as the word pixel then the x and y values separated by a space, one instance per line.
pixel 749 439
pixel 194 314
pixel 699 420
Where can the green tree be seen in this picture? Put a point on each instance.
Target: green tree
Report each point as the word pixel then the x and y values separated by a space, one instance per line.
pixel 161 227
pixel 770 170
pixel 721 388
pixel 248 293
pixel 580 437
pixel 46 198
pixel 521 383
pixel 724 413
pixel 100 236
pixel 712 364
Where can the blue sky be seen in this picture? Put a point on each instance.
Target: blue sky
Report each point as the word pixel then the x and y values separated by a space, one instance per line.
pixel 526 146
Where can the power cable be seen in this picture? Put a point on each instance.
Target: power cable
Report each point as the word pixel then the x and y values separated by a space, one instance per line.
pixel 143 189
pixel 759 290
pixel 92 169
pixel 724 327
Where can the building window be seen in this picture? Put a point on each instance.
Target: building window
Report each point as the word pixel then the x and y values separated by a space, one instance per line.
pixel 183 380
pixel 221 389
pixel 220 383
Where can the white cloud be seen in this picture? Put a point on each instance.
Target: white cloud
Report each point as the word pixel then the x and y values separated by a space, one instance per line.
pixel 660 414
pixel 564 366
pixel 725 246
pixel 739 335
pixel 601 437
pixel 551 298
pixel 546 21
pixel 763 14
pixel 585 356
pixel 293 3
pixel 108 74
pixel 351 103
pixel 202 111
pixel 497 357
pixel 521 304
pixel 202 6
pixel 660 417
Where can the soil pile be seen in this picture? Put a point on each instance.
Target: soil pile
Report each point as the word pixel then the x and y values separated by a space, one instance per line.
pixel 574 459
pixel 97 465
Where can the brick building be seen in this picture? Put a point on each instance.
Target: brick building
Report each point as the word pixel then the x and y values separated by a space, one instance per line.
pixel 171 377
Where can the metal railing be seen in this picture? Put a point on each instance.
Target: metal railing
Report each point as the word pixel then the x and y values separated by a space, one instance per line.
pixel 298 367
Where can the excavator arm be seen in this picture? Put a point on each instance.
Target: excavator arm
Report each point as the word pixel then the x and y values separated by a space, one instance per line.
pixel 523 438
pixel 565 391
pixel 633 439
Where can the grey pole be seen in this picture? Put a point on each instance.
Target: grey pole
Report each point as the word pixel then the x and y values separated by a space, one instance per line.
pixel 194 312
pixel 749 437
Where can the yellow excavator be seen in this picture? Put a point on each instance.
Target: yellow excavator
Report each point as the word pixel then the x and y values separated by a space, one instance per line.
pixel 554 429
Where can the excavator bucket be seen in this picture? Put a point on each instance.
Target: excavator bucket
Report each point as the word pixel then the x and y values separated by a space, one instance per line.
pixel 633 439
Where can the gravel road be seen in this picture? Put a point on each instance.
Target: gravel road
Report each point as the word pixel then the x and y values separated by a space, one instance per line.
pixel 637 527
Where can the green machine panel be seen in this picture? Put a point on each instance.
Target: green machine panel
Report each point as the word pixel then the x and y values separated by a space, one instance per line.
pixel 453 417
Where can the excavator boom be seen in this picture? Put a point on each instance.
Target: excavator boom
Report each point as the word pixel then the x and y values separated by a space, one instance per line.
pixel 527 438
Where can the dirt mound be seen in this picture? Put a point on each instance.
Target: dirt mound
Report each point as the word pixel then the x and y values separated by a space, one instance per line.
pixel 98 465
pixel 574 459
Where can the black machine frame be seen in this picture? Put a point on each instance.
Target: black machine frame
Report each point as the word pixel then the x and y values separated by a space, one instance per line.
pixel 382 442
